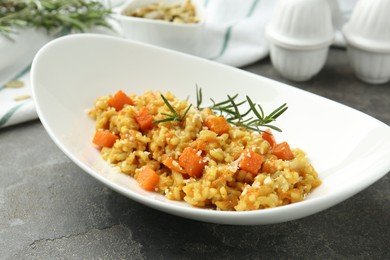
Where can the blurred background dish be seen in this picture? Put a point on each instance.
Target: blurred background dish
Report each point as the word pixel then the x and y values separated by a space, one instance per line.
pixel 165 23
pixel 367 34
pixel 300 33
pixel 21 47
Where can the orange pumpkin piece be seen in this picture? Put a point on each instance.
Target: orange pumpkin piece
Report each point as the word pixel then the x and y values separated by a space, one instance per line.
pixel 217 124
pixel 269 137
pixel 192 162
pixel 144 119
pixel 200 144
pixel 173 165
pixel 250 161
pixel 104 138
pixel 282 151
pixel 148 178
pixel 119 100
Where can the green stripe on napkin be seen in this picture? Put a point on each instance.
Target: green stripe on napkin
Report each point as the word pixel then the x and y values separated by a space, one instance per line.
pixel 19 75
pixel 230 27
pixel 10 113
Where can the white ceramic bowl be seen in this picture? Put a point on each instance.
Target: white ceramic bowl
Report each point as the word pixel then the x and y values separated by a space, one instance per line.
pixel 301 23
pixel 300 34
pixel 297 64
pixel 180 37
pixel 348 158
pixel 369 66
pixel 21 46
pixel 369 25
pixel 367 34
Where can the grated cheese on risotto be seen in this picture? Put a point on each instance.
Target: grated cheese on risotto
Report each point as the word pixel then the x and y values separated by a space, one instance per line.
pixel 193 160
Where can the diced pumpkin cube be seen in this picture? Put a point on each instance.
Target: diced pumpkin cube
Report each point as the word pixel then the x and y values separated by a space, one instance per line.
pixel 148 178
pixel 250 161
pixel 104 138
pixel 119 100
pixel 217 124
pixel 192 162
pixel 269 137
pixel 144 119
pixel 173 165
pixel 283 151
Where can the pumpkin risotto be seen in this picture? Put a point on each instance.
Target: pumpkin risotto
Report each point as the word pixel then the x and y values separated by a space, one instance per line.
pixel 198 156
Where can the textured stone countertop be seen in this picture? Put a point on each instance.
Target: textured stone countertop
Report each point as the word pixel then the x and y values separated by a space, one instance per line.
pixel 50 208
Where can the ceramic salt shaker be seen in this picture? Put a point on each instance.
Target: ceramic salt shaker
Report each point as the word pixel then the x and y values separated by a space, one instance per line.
pixel 299 35
pixel 367 35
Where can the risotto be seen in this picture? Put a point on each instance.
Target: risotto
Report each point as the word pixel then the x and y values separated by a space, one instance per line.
pixel 196 156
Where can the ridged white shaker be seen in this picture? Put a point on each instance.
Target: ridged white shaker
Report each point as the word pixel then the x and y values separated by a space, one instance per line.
pixel 300 33
pixel 367 34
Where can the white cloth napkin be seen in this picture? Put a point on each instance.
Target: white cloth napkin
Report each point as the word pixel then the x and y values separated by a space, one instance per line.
pixel 234 35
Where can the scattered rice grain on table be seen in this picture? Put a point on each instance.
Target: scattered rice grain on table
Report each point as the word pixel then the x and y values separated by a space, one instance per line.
pixel 223 182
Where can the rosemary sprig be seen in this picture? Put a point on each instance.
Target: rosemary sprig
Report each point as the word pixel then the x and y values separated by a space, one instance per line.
pixel 253 118
pixel 174 117
pixel 261 119
pixel 228 106
pixel 230 109
pixel 199 97
pixel 55 16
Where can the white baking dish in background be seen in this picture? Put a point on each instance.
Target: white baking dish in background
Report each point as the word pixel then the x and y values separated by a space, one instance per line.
pixel 180 37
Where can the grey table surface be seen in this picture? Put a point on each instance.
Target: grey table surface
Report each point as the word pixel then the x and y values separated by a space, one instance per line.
pixel 51 209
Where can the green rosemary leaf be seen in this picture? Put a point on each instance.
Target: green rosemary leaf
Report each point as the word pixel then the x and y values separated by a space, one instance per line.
pixel 273 127
pixel 163 120
pixel 235 107
pixel 230 108
pixel 253 108
pixel 247 113
pixel 166 114
pixel 185 112
pixel 277 112
pixel 174 117
pixel 226 110
pixel 175 114
pixel 55 16
pixel 199 97
pixel 223 102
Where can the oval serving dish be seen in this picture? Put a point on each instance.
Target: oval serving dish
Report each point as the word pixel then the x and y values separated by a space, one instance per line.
pixel 69 73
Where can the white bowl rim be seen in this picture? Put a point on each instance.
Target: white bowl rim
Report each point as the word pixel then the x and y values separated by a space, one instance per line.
pixel 297 43
pixel 364 43
pixel 121 16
